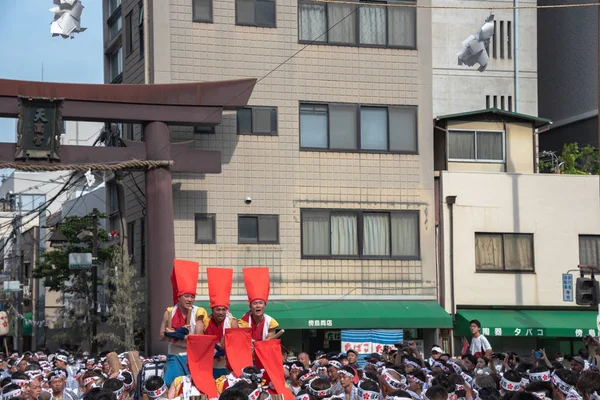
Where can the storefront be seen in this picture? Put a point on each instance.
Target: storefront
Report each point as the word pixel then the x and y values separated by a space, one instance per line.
pixel 317 325
pixel 521 331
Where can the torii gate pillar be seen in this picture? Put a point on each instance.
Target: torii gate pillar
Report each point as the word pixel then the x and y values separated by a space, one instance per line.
pixel 161 236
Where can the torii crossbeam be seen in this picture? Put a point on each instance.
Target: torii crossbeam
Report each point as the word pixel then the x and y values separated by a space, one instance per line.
pixel 153 106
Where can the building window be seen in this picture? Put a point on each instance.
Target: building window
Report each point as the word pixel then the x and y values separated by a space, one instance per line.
pixel 200 129
pixel 129 33
pixel 206 228
pixel 360 234
pixel 257 121
pixel 509 38
pixel 115 65
pixel 494 40
pixel 510 105
pixel 202 11
pixel 256 13
pixel 504 252
pixel 113 198
pixel 258 229
pixel 113 5
pixel 372 26
pixel 476 146
pixel 501 39
pixel 487 101
pixel 131 241
pixel 143 247
pixel 30 202
pixel 115 24
pixel 350 127
pixel 589 250
pixel 141 29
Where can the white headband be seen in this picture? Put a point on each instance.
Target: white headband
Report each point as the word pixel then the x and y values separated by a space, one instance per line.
pixel 510 386
pixel 11 394
pixel 319 393
pixel 367 394
pixel 89 380
pixel 393 382
pixel 560 384
pixel 335 364
pixel 543 376
pixel 415 379
pixel 61 357
pixel 154 394
pixel 19 382
pixel 344 372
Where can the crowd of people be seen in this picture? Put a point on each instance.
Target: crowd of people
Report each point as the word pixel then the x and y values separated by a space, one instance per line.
pixel 216 355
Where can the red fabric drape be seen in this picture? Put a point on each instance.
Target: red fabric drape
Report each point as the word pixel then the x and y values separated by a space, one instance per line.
pixel 200 351
pixel 269 354
pixel 238 345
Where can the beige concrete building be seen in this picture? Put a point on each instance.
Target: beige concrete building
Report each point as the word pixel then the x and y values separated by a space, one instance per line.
pixel 510 235
pixel 327 177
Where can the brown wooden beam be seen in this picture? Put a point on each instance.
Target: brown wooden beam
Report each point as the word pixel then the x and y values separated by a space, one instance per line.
pixel 126 112
pixel 228 94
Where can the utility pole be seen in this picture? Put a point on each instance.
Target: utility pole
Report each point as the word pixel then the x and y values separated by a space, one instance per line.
pixel 95 314
pixel 17 345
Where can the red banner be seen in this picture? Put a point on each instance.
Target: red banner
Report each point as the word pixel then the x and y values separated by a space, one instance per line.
pixel 238 345
pixel 269 353
pixel 200 351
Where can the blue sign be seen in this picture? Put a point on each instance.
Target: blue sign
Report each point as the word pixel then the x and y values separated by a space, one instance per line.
pixel 567 286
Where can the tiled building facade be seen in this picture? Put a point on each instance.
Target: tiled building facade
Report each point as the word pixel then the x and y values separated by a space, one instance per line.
pixel 335 151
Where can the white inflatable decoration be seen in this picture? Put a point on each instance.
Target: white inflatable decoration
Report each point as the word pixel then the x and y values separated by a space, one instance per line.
pixel 4 326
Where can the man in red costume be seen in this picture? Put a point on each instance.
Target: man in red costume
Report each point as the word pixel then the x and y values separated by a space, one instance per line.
pixel 219 291
pixel 181 320
pixel 257 287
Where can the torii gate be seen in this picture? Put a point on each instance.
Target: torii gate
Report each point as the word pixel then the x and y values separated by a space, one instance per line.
pixel 153 106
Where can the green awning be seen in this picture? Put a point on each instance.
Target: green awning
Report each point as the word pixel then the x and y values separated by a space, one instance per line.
pixel 521 323
pixel 352 314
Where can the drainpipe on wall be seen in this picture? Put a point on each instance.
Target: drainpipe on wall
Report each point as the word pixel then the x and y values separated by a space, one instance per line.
pixel 451 200
pixel 516 51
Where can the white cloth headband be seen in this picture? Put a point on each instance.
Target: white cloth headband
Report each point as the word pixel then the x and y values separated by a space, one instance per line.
pixel 397 398
pixel 367 394
pixel 414 364
pixel 543 376
pixel 539 395
pixel 415 379
pixel 510 386
pixel 335 364
pixel 89 380
pixel 560 384
pixel 11 394
pixel 344 372
pixel 61 357
pixel 319 393
pixel 392 381
pixel 154 394
pixel 19 382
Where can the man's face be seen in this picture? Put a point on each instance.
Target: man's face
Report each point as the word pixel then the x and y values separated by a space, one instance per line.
pixel 219 313
pixel 106 367
pixel 346 380
pixel 409 368
pixel 57 385
pixel 445 358
pixel 352 358
pixel 60 364
pixel 576 367
pixel 435 355
pixel 22 366
pixel 474 328
pixel 35 388
pixel 187 301
pixel 468 364
pixel 294 376
pixel 303 358
pixel 481 363
pixel 258 308
pixel 332 372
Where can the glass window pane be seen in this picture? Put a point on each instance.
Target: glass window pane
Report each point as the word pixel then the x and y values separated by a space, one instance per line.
pixel 315 233
pixel 115 27
pixel 376 234
pixel 267 228
pixel 344 235
pixel 205 225
pixel 201 10
pixel 313 126
pixel 342 126
pixel 489 146
pixel 489 253
pixel 248 229
pixel 113 4
pixel 244 120
pixel 405 234
pixel 402 23
pixel 373 128
pixel 372 25
pixel 461 145
pixel 589 250
pixel 261 120
pixel 244 12
pixel 518 252
pixel 403 129
pixel 265 13
pixel 313 22
pixel 345 30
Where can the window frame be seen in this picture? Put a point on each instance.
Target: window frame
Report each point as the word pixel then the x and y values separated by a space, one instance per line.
pixel 129 33
pixel 360 234
pixel 358 108
pixel 119 77
pixel 112 18
pixel 237 23
pixel 252 109
pixel 131 241
pixel 476 160
pixel 208 20
pixel 141 30
pixel 504 270
pixel 257 216
pixel 579 236
pixel 356 16
pixel 206 216
pixel 143 246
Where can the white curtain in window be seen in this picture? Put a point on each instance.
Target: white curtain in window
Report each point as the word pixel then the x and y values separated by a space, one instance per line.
pixel 518 252
pixel 313 22
pixel 462 145
pixel 313 127
pixel 373 128
pixel 342 23
pixel 488 252
pixel 344 235
pixel 589 250
pixel 315 233
pixel 372 25
pixel 376 234
pixel 489 146
pixel 402 26
pixel 405 234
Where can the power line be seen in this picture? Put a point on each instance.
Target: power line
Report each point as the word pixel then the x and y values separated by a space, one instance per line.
pixel 415 6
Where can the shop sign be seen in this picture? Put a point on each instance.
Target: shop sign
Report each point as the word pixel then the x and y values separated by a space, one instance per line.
pixel 319 322
pixel 333 335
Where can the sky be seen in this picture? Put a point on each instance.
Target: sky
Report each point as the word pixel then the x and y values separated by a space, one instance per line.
pixel 27 44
